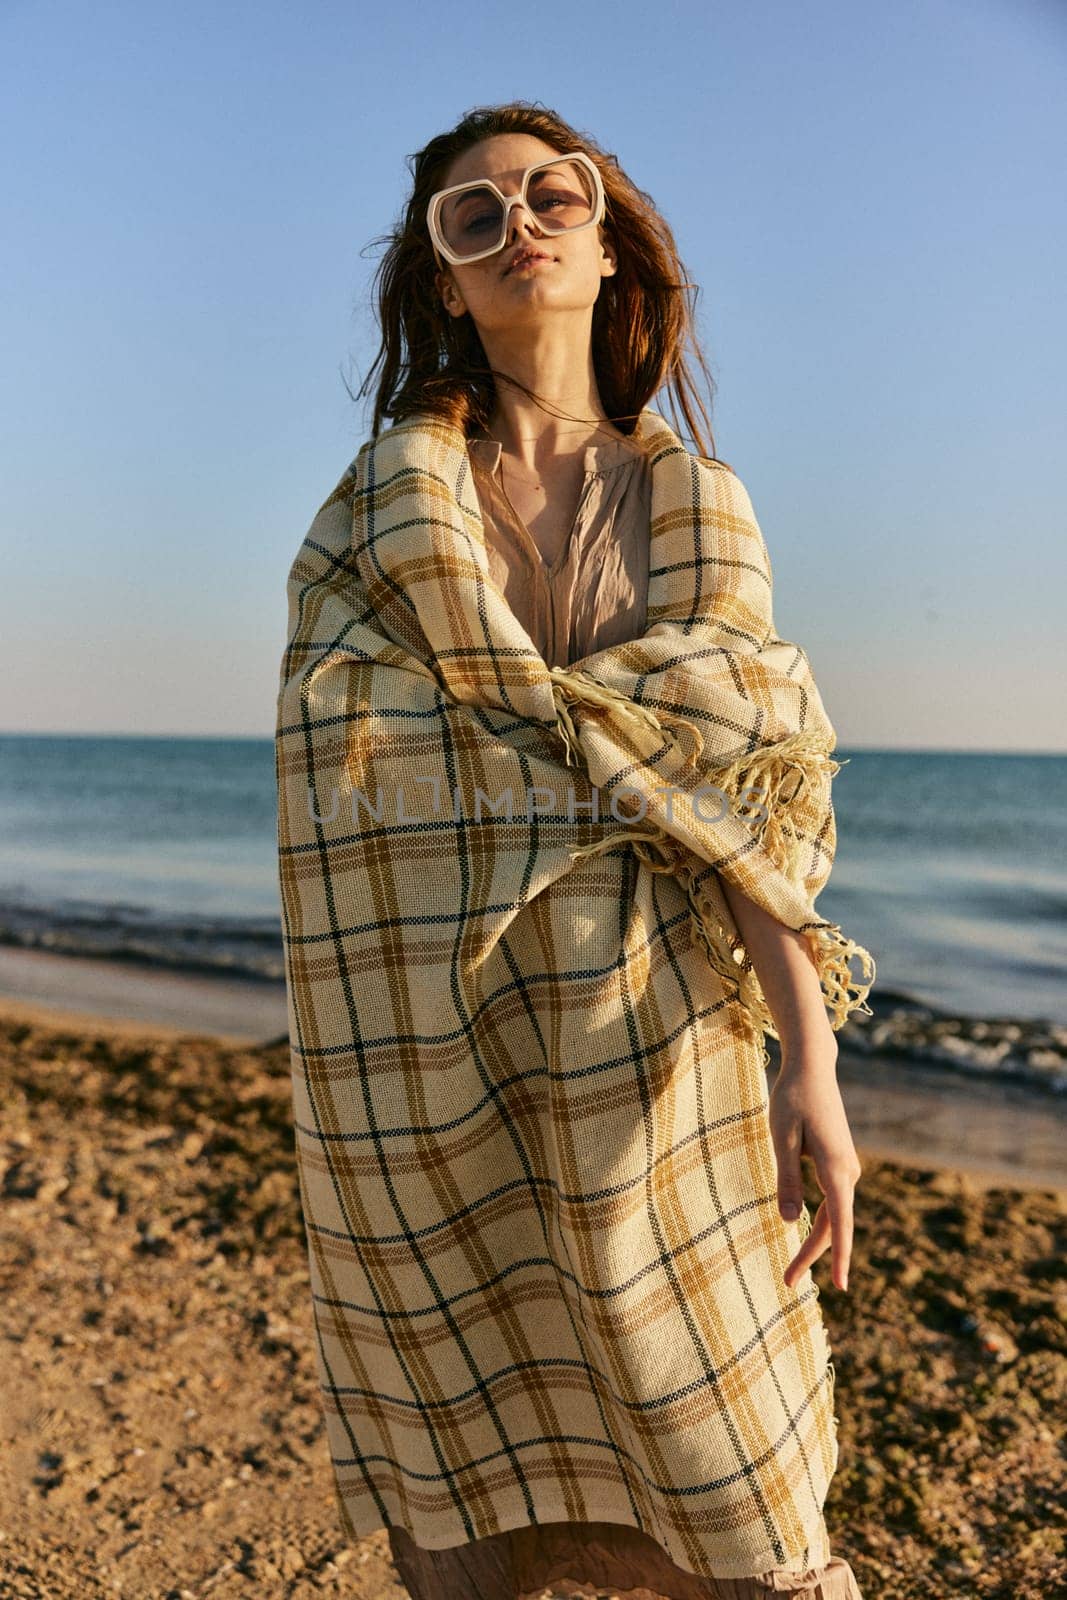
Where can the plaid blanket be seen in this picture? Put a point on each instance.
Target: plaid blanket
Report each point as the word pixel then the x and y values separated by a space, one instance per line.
pixel 527 1041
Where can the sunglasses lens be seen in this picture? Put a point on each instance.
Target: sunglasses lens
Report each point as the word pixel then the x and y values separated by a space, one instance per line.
pixel 561 195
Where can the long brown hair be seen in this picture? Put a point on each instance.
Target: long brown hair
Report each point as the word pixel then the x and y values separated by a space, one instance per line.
pixel 432 362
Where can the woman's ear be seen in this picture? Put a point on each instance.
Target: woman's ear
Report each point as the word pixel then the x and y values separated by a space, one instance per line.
pixel 451 298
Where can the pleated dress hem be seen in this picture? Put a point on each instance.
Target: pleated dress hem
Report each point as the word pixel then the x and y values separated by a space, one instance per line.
pixel 815 1553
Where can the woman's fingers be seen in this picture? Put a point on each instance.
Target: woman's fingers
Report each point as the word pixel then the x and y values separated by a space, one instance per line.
pixel 833 1226
pixel 839 1202
pixel 788 1144
pixel 838 1171
pixel 811 1249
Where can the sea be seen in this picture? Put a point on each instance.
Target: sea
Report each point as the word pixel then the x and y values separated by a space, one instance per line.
pixel 951 869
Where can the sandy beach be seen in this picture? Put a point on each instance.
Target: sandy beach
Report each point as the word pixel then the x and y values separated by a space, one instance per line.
pixel 162 1433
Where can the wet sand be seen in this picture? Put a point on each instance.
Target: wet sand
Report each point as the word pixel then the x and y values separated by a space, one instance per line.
pixel 239 1008
pixel 160 1414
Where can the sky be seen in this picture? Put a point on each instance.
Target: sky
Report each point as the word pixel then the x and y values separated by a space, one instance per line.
pixel 871 199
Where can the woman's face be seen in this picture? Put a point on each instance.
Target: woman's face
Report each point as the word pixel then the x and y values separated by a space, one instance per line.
pixel 501 300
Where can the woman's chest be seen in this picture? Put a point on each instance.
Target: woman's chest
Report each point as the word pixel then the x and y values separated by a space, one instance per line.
pixel 548 508
pixel 577 580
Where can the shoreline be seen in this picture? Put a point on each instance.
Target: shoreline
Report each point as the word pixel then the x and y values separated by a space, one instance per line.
pixel 124 993
pixel 995 1133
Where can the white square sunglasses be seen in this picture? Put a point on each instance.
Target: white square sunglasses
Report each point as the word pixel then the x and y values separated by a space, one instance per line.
pixel 441 246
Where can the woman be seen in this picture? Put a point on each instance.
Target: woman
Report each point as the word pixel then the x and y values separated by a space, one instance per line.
pixel 567 1331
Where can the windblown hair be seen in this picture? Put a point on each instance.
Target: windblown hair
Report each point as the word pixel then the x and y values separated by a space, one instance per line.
pixel 434 363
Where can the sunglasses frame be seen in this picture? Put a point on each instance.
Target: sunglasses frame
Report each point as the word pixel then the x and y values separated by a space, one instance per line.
pixel 440 248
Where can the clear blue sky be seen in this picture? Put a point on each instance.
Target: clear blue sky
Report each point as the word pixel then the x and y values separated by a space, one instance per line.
pixel 871 198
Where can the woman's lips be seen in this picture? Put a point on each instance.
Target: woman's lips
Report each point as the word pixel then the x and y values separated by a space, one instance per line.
pixel 527 261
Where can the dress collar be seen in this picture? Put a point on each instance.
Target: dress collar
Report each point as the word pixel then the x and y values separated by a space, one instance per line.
pixel 607 455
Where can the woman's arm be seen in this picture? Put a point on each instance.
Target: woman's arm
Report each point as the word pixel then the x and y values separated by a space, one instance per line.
pixel 807 1115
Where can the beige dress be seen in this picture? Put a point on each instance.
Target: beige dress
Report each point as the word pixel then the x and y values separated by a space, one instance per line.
pixel 594 595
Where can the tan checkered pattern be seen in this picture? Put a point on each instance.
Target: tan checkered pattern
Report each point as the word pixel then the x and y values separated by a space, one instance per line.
pixel 527 1042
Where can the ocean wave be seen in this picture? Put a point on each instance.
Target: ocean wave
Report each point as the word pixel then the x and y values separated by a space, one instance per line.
pixel 234 947
pixel 1031 1051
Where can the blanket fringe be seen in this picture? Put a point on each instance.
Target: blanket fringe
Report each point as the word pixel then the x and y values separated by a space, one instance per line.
pixel 805 756
pixel 772 776
pixel 582 688
pixel 804 1224
pixel 831 952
